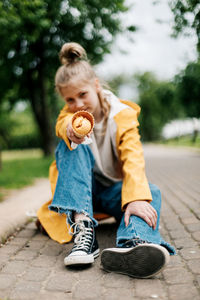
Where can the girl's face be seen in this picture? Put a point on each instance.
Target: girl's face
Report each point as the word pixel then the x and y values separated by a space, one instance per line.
pixel 82 96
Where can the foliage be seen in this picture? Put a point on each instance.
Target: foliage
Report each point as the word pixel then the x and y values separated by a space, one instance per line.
pixel 6 123
pixel 188 89
pixel 116 82
pixel 187 21
pixel 158 105
pixel 19 129
pixel 33 32
pixel 158 101
pixel 5 128
pixel 25 132
pixel 25 141
pixel 186 17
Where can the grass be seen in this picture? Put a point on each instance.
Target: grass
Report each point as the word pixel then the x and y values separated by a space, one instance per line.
pixel 185 141
pixel 21 172
pixel 20 168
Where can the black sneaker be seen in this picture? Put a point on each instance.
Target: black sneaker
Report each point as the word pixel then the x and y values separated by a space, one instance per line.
pixel 85 248
pixel 136 258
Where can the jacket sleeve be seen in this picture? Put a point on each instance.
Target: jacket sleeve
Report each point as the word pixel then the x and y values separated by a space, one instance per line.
pixel 61 125
pixel 135 185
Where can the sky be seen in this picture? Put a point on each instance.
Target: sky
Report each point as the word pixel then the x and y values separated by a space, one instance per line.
pixel 152 49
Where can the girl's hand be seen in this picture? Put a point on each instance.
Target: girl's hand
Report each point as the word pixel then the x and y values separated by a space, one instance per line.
pixel 72 137
pixel 142 209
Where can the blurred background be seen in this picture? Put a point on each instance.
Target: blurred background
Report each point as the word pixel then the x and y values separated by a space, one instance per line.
pixel 147 51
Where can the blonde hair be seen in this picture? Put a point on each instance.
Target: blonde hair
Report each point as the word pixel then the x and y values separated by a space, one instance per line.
pixel 75 65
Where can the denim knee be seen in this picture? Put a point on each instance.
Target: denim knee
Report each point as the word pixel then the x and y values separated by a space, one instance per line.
pixel 155 192
pixel 63 152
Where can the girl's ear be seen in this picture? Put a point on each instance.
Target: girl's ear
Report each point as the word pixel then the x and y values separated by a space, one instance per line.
pixel 97 85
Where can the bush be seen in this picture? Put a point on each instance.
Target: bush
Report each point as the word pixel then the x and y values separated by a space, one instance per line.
pixel 25 141
pixel 24 134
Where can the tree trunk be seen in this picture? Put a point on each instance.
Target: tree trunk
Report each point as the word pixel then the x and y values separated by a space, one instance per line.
pixel 194 136
pixel 0 160
pixel 42 114
pixel 43 120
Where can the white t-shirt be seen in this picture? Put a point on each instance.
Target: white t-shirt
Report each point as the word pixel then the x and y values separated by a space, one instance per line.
pixel 107 167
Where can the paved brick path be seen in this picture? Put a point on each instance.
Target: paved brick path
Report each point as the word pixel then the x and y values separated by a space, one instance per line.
pixel 31 265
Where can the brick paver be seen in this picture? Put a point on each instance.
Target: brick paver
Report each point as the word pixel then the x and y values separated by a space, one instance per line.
pixel 31 265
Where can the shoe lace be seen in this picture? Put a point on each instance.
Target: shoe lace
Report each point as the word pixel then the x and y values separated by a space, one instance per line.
pixel 83 236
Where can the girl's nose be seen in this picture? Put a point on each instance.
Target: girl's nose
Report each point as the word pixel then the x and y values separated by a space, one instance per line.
pixel 79 104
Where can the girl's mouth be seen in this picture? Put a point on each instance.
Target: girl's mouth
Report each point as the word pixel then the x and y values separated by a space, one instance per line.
pixel 82 108
pixel 86 109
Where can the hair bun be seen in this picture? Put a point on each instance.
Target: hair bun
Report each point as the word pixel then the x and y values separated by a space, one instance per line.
pixel 71 52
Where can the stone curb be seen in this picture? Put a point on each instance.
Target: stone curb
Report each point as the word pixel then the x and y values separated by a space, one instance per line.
pixel 19 205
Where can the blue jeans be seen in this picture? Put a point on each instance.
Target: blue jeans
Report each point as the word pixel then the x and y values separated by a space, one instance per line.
pixel 78 191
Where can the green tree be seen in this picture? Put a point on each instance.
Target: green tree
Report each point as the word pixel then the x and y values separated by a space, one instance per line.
pixel 116 82
pixel 186 18
pixel 158 105
pixel 188 89
pixel 32 33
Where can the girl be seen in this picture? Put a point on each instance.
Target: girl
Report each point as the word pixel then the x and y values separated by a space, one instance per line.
pixel 107 176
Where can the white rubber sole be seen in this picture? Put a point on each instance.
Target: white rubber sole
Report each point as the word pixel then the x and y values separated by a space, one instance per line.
pixel 142 261
pixel 77 258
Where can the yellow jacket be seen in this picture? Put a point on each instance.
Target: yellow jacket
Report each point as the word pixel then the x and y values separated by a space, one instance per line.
pixel 130 156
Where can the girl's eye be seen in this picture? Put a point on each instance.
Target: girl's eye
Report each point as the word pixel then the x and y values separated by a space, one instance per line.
pixel 69 100
pixel 83 94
